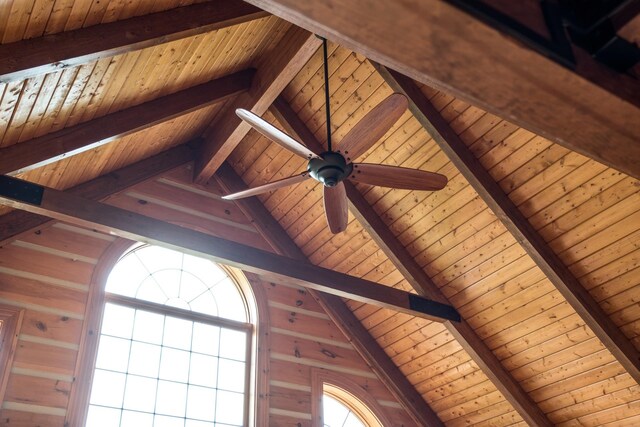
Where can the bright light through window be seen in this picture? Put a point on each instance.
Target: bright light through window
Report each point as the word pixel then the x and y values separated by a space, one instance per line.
pixel 160 362
pixel 336 414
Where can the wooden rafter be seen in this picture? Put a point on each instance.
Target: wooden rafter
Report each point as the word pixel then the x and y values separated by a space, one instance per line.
pixel 344 319
pixel 437 44
pixel 419 280
pixel 73 140
pixel 27 58
pixel 112 220
pixel 17 222
pixel 502 206
pixel 272 77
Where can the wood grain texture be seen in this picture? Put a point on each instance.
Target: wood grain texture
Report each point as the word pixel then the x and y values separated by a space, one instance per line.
pixel 518 225
pixel 560 105
pixel 334 306
pixel 271 78
pixel 73 140
pixel 28 58
pixel 17 222
pixel 421 282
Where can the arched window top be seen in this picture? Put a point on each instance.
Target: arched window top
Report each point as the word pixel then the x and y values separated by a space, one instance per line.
pixel 175 279
pixel 343 409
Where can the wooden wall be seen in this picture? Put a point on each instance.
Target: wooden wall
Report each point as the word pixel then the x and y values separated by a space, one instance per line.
pixel 48 272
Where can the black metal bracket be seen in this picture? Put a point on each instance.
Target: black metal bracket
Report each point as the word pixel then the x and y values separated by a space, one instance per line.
pixel 19 190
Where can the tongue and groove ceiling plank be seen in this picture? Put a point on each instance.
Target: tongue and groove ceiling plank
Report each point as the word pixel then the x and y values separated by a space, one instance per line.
pixel 273 75
pixel 341 315
pixel 418 279
pixel 482 67
pixel 27 58
pixel 553 267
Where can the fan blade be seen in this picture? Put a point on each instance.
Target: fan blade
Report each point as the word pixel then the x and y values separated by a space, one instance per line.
pixel 268 187
pixel 397 177
pixel 373 126
pixel 275 134
pixel 335 207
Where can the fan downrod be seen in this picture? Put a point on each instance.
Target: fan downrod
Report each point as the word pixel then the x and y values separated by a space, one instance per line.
pixel 330 169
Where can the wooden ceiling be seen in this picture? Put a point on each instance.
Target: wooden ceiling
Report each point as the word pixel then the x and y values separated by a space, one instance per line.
pixel 535 245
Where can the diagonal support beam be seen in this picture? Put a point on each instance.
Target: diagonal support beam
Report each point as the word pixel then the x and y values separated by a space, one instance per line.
pixel 34 198
pixel 420 281
pixel 335 308
pixel 28 58
pixel 275 73
pixel 440 45
pixel 502 206
pixel 17 222
pixel 73 140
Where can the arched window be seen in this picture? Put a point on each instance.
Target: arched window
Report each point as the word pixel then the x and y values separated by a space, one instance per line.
pixel 340 408
pixel 175 345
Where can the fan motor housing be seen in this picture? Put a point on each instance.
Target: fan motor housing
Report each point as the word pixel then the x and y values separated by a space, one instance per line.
pixel 330 169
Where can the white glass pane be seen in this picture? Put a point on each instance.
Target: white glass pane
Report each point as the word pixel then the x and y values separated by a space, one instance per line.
pixel 155 258
pixel 201 403
pixel 149 290
pixel 140 394
pixel 204 370
pixel 171 398
pixel 204 269
pixel 196 423
pixel 144 359
pixel 231 375
pixel 169 281
pixel 229 407
pixel 233 344
pixel 206 303
pixel 125 276
pixel 136 419
pixel 177 333
pixel 148 327
pixel 113 354
pixel 191 286
pixel 108 388
pixel 353 421
pixel 164 421
pixel 334 412
pixel 206 339
pixel 174 365
pixel 230 302
pixel 117 321
pixel 99 416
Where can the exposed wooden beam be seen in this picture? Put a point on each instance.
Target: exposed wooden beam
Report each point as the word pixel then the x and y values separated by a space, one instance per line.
pixel 437 44
pixel 419 280
pixel 70 141
pixel 27 58
pixel 17 222
pixel 500 203
pixel 337 310
pixel 273 75
pixel 34 198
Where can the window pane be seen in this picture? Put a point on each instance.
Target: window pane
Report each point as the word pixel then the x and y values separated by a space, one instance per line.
pixel 136 419
pixel 148 327
pixel 177 333
pixel 204 370
pixel 144 359
pixel 174 365
pixel 117 321
pixel 229 408
pixel 140 394
pixel 99 416
pixel 206 339
pixel 171 398
pixel 231 375
pixel 233 344
pixel 164 421
pixel 113 354
pixel 201 404
pixel 108 388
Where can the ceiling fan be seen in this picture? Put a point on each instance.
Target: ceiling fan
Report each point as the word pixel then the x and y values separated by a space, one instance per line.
pixel 331 168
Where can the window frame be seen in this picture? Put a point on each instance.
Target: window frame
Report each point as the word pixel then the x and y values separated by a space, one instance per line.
pixel 97 299
pixel 10 323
